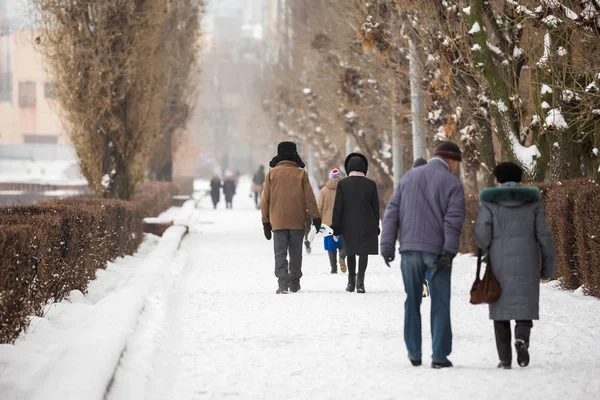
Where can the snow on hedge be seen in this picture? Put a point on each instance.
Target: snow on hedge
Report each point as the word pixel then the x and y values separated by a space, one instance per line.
pixel 476 28
pixel 546 89
pixel 555 119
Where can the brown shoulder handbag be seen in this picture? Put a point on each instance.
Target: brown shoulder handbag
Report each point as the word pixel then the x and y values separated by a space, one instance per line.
pixel 486 290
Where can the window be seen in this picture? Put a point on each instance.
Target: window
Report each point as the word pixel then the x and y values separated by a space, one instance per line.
pixel 49 90
pixel 27 95
pixel 40 139
pixel 5 87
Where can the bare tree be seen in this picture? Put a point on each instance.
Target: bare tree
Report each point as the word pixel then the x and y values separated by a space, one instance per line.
pixel 107 62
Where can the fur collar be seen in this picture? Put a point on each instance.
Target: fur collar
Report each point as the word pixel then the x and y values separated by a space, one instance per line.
pixel 510 193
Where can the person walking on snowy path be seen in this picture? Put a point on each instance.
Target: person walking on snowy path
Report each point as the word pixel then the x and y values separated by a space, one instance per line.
pixel 286 203
pixel 325 204
pixel 356 218
pixel 215 190
pixel 427 210
pixel 512 225
pixel 229 187
pixel 258 182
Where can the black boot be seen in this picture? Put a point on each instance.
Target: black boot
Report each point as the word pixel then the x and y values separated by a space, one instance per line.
pixel 362 270
pixel 351 283
pixel 522 336
pixel 416 363
pixel 441 364
pixel 295 287
pixel 504 365
pixel 282 290
pixel 522 348
pixel 360 284
pixel 333 261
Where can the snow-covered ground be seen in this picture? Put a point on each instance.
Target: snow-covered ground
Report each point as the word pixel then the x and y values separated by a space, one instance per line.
pixel 212 327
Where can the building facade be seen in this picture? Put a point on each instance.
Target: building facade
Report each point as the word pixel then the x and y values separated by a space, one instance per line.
pixel 28 114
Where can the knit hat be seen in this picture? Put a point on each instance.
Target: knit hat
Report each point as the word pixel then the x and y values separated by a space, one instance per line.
pixel 448 150
pixel 508 172
pixel 287 151
pixel 364 166
pixel 419 162
pixel 335 174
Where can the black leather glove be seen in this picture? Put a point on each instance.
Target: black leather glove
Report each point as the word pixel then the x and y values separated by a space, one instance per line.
pixel 317 224
pixel 444 260
pixel 268 228
pixel 388 258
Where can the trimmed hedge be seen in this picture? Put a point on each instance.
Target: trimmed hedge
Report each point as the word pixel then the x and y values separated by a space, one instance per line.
pixel 50 249
pixel 572 210
pixel 155 197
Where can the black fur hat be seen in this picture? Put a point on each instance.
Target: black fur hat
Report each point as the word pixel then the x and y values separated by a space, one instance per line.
pixel 361 164
pixel 419 162
pixel 287 151
pixel 508 172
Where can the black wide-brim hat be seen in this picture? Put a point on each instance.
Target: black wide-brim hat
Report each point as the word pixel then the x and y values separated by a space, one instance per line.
pixel 287 151
pixel 350 157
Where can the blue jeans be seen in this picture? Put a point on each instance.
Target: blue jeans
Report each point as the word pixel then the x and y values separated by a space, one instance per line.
pixel 416 267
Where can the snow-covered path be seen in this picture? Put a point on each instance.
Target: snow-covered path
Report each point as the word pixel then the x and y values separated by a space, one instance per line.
pixel 230 336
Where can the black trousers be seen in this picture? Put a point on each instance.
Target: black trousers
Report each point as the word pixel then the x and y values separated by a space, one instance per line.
pixel 503 337
pixel 363 261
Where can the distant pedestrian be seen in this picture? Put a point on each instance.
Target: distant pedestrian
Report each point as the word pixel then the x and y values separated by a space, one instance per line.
pixel 512 226
pixel 356 218
pixel 419 162
pixel 427 210
pixel 229 189
pixel 258 182
pixel 215 190
pixel 326 202
pixel 287 201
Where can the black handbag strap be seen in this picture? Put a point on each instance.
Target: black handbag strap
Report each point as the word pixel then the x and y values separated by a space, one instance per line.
pixel 479 256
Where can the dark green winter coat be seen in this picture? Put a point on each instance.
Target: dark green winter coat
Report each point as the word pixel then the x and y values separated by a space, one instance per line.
pixel 512 225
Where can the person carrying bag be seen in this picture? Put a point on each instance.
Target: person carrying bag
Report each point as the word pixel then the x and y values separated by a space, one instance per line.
pixel 512 225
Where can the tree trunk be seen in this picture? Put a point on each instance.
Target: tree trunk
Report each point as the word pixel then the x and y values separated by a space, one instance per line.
pixel 499 88
pixel 485 146
pixel 417 98
pixel 115 174
pixel 397 149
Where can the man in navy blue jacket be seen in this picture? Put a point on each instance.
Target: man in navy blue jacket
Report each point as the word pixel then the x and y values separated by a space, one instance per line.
pixel 428 211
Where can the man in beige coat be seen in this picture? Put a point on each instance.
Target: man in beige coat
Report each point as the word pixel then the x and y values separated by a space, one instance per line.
pixel 286 203
pixel 325 203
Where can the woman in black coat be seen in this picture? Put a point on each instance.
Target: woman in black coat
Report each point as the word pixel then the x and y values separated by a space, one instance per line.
pixel 229 187
pixel 356 218
pixel 215 190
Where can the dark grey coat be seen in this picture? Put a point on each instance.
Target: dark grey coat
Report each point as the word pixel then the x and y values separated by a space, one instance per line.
pixel 512 224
